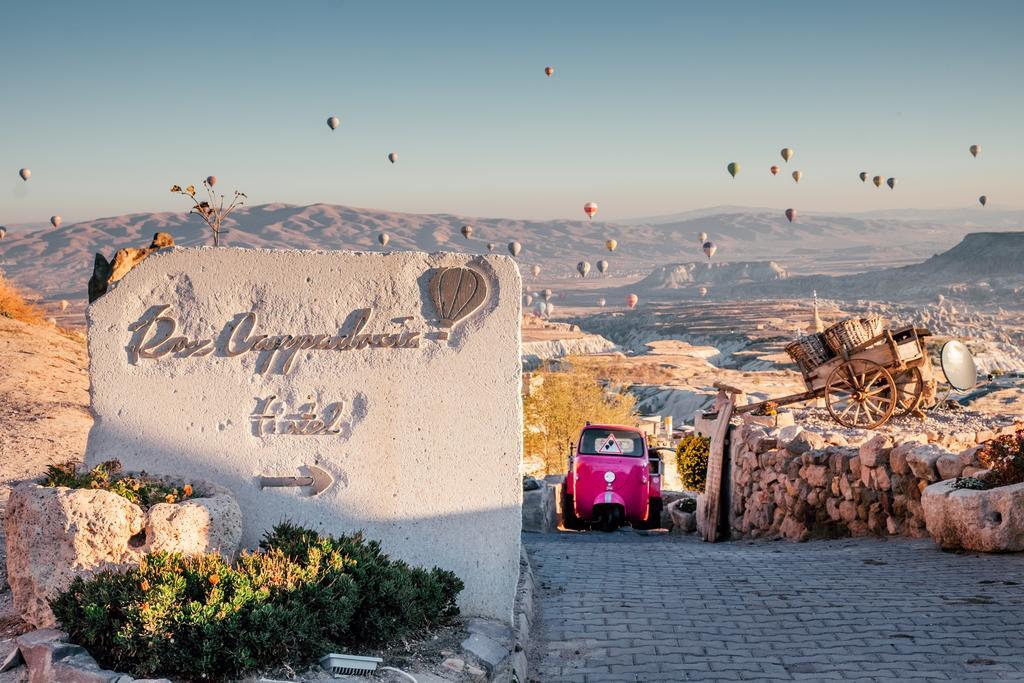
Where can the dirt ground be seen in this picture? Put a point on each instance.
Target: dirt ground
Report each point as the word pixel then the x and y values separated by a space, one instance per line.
pixel 44 413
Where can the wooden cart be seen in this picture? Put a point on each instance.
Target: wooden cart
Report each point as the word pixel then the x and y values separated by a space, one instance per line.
pixel 865 385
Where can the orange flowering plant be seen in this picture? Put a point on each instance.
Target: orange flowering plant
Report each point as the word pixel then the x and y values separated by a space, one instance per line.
pixel 108 476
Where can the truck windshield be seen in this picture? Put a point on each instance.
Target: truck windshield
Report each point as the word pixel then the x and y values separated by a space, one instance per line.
pixel 611 442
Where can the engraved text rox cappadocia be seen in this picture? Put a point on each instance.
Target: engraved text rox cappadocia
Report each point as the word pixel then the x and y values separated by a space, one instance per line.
pixel 454 292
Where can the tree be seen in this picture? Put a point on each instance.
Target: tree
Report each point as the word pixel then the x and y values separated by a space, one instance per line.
pixel 560 406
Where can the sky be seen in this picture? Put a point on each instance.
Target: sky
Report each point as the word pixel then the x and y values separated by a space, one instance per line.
pixel 111 103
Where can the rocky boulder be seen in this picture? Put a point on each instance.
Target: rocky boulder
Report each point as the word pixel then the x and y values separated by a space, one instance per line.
pixel 55 534
pixel 987 521
pixel 105 273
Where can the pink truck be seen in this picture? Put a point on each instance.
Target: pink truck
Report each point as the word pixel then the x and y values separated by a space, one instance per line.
pixel 613 479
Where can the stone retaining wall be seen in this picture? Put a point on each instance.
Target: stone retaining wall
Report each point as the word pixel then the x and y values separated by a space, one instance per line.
pixel 797 484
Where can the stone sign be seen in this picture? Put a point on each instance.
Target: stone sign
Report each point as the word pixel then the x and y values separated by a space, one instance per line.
pixel 342 391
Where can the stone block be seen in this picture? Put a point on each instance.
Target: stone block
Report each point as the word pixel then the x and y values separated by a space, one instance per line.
pixel 948 466
pixel 898 458
pixel 984 521
pixel 848 511
pixel 855 466
pixel 539 513
pixel 805 441
pixel 875 451
pixel 922 461
pixel 397 373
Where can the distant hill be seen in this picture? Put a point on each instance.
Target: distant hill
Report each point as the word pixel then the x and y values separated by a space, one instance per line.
pixel 985 267
pixel 683 275
pixel 57 263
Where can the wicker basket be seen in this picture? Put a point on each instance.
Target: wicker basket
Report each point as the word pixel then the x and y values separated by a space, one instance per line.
pixel 810 352
pixel 847 334
pixel 874 324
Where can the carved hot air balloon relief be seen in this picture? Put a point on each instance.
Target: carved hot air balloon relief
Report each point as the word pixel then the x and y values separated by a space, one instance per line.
pixel 456 293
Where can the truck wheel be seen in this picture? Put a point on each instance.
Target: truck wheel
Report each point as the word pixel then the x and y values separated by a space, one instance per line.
pixel 569 518
pixel 611 518
pixel 654 514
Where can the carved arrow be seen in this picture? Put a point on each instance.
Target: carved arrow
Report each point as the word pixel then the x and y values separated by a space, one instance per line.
pixel 319 481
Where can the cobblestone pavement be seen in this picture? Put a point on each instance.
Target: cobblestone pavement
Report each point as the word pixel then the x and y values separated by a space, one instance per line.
pixel 630 607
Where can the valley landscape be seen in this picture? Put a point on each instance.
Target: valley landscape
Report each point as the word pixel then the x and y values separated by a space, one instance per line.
pixel 957 273
pixel 576 342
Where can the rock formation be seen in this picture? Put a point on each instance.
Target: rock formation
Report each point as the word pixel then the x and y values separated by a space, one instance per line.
pixel 989 521
pixel 105 273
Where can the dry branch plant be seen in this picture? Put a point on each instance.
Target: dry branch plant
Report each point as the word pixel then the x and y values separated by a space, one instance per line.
pixel 210 210
pixel 13 304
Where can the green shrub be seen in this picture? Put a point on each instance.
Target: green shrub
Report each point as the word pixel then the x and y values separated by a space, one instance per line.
pixel 107 476
pixel 692 453
pixel 970 483
pixel 393 598
pixel 688 505
pixel 200 618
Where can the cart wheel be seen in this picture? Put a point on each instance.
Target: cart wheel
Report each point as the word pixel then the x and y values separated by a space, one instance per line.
pixel 860 393
pixel 909 391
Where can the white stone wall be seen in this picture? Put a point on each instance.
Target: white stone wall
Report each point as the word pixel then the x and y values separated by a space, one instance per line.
pixel 424 443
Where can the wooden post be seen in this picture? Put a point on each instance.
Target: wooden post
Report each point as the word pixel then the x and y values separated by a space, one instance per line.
pixel 713 484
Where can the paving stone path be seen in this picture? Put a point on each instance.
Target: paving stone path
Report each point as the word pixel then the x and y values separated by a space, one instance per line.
pixel 629 607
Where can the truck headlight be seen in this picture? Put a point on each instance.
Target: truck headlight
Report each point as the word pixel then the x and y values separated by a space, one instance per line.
pixel 609 477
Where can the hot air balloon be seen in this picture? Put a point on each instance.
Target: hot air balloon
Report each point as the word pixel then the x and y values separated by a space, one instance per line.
pixel 709 250
pixel 3 233
pixel 490 246
pixel 590 208
pixel 797 175
pixel 541 308
pixel 612 245
pixel 467 231
pixel 733 168
pixel 456 292
pixel 535 270
pixel 211 180
pixel 601 302
pixel 891 182
pixel 702 237
pixel 529 300
pixel 551 309
pixel 514 248
pixel 583 268
pixel 55 221
pixel 877 180
pixel 983 200
pixel 975 150
pixel 703 291
pixel 547 294
pixel 64 304
pixel 786 153
pixel 25 174
pixel 333 122
pixel 863 176
pixel 774 170
pixel 631 300
pixel 383 238
pixel 790 214
pixel 548 70
pixel 602 266
pixel 392 157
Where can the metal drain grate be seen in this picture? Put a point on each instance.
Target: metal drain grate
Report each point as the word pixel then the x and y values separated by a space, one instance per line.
pixel 349 664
